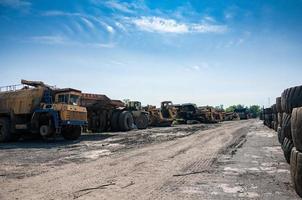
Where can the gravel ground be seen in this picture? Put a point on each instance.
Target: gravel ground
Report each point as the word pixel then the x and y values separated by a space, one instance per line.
pixel 230 160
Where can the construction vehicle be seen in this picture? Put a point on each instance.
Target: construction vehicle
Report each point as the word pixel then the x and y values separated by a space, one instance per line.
pixel 105 114
pixel 243 113
pixel 209 114
pixel 168 110
pixel 140 116
pixel 230 116
pixel 40 109
pixel 189 113
pixel 156 118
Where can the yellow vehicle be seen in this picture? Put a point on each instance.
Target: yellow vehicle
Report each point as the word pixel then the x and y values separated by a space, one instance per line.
pixel 168 110
pixel 156 118
pixel 39 108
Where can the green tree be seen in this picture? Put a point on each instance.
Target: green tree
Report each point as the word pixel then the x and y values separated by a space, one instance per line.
pixel 234 107
pixel 254 110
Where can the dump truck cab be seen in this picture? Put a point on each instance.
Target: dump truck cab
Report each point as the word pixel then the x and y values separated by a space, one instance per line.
pixel 40 108
pixel 66 116
pixel 67 101
pixel 168 110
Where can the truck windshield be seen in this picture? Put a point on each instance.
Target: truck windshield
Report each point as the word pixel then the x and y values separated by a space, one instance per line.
pixel 74 99
pixel 63 98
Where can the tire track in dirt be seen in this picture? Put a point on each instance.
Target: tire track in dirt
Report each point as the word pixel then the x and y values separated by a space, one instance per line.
pixel 142 173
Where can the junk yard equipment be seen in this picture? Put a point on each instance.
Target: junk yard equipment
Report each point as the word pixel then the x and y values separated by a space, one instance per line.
pixel 105 114
pixel 243 113
pixel 39 108
pixel 189 113
pixel 156 118
pixel 140 116
pixel 168 110
pixel 208 114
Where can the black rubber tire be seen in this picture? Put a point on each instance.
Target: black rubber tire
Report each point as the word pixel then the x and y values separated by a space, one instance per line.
pixel 5 133
pixel 72 132
pixel 114 122
pixel 296 128
pixel 280 117
pixel 291 98
pixel 286 126
pixel 287 147
pixel 102 121
pixel 141 121
pixel 296 171
pixel 279 135
pixel 274 109
pixel 125 121
pixel 278 105
pixel 293 165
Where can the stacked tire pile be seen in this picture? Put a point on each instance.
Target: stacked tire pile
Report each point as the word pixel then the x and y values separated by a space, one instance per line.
pixel 288 109
pixel 268 117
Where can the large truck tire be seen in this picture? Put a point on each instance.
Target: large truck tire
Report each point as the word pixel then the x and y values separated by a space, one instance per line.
pixel 291 98
pixel 287 147
pixel 286 126
pixel 279 135
pixel 72 132
pixel 114 122
pixel 296 128
pixel 280 118
pixel 125 121
pixel 5 134
pixel 296 170
pixel 278 105
pixel 141 121
pixel 102 121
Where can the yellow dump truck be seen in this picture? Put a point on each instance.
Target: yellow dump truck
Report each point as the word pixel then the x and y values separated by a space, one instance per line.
pixel 40 109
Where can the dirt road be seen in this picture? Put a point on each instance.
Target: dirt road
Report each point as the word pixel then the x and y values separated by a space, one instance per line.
pixel 186 162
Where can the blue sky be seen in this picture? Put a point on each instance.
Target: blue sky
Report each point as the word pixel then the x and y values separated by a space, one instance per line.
pixel 206 52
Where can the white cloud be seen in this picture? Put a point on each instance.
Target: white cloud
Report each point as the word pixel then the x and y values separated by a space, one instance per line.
pixel 59 40
pixel 208 28
pixel 161 25
pixel 48 39
pixel 196 67
pixel 87 22
pixel 110 29
pixel 121 26
pixel 157 24
pixel 15 3
pixel 124 7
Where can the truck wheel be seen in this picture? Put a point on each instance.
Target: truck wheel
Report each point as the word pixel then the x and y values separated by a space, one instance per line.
pixel 72 133
pixel 296 171
pixel 114 121
pixel 102 121
pixel 46 131
pixel 125 121
pixel 141 121
pixel 286 126
pixel 296 127
pixel 5 134
pixel 287 147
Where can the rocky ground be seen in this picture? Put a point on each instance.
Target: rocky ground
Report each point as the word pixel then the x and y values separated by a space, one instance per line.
pixel 229 160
